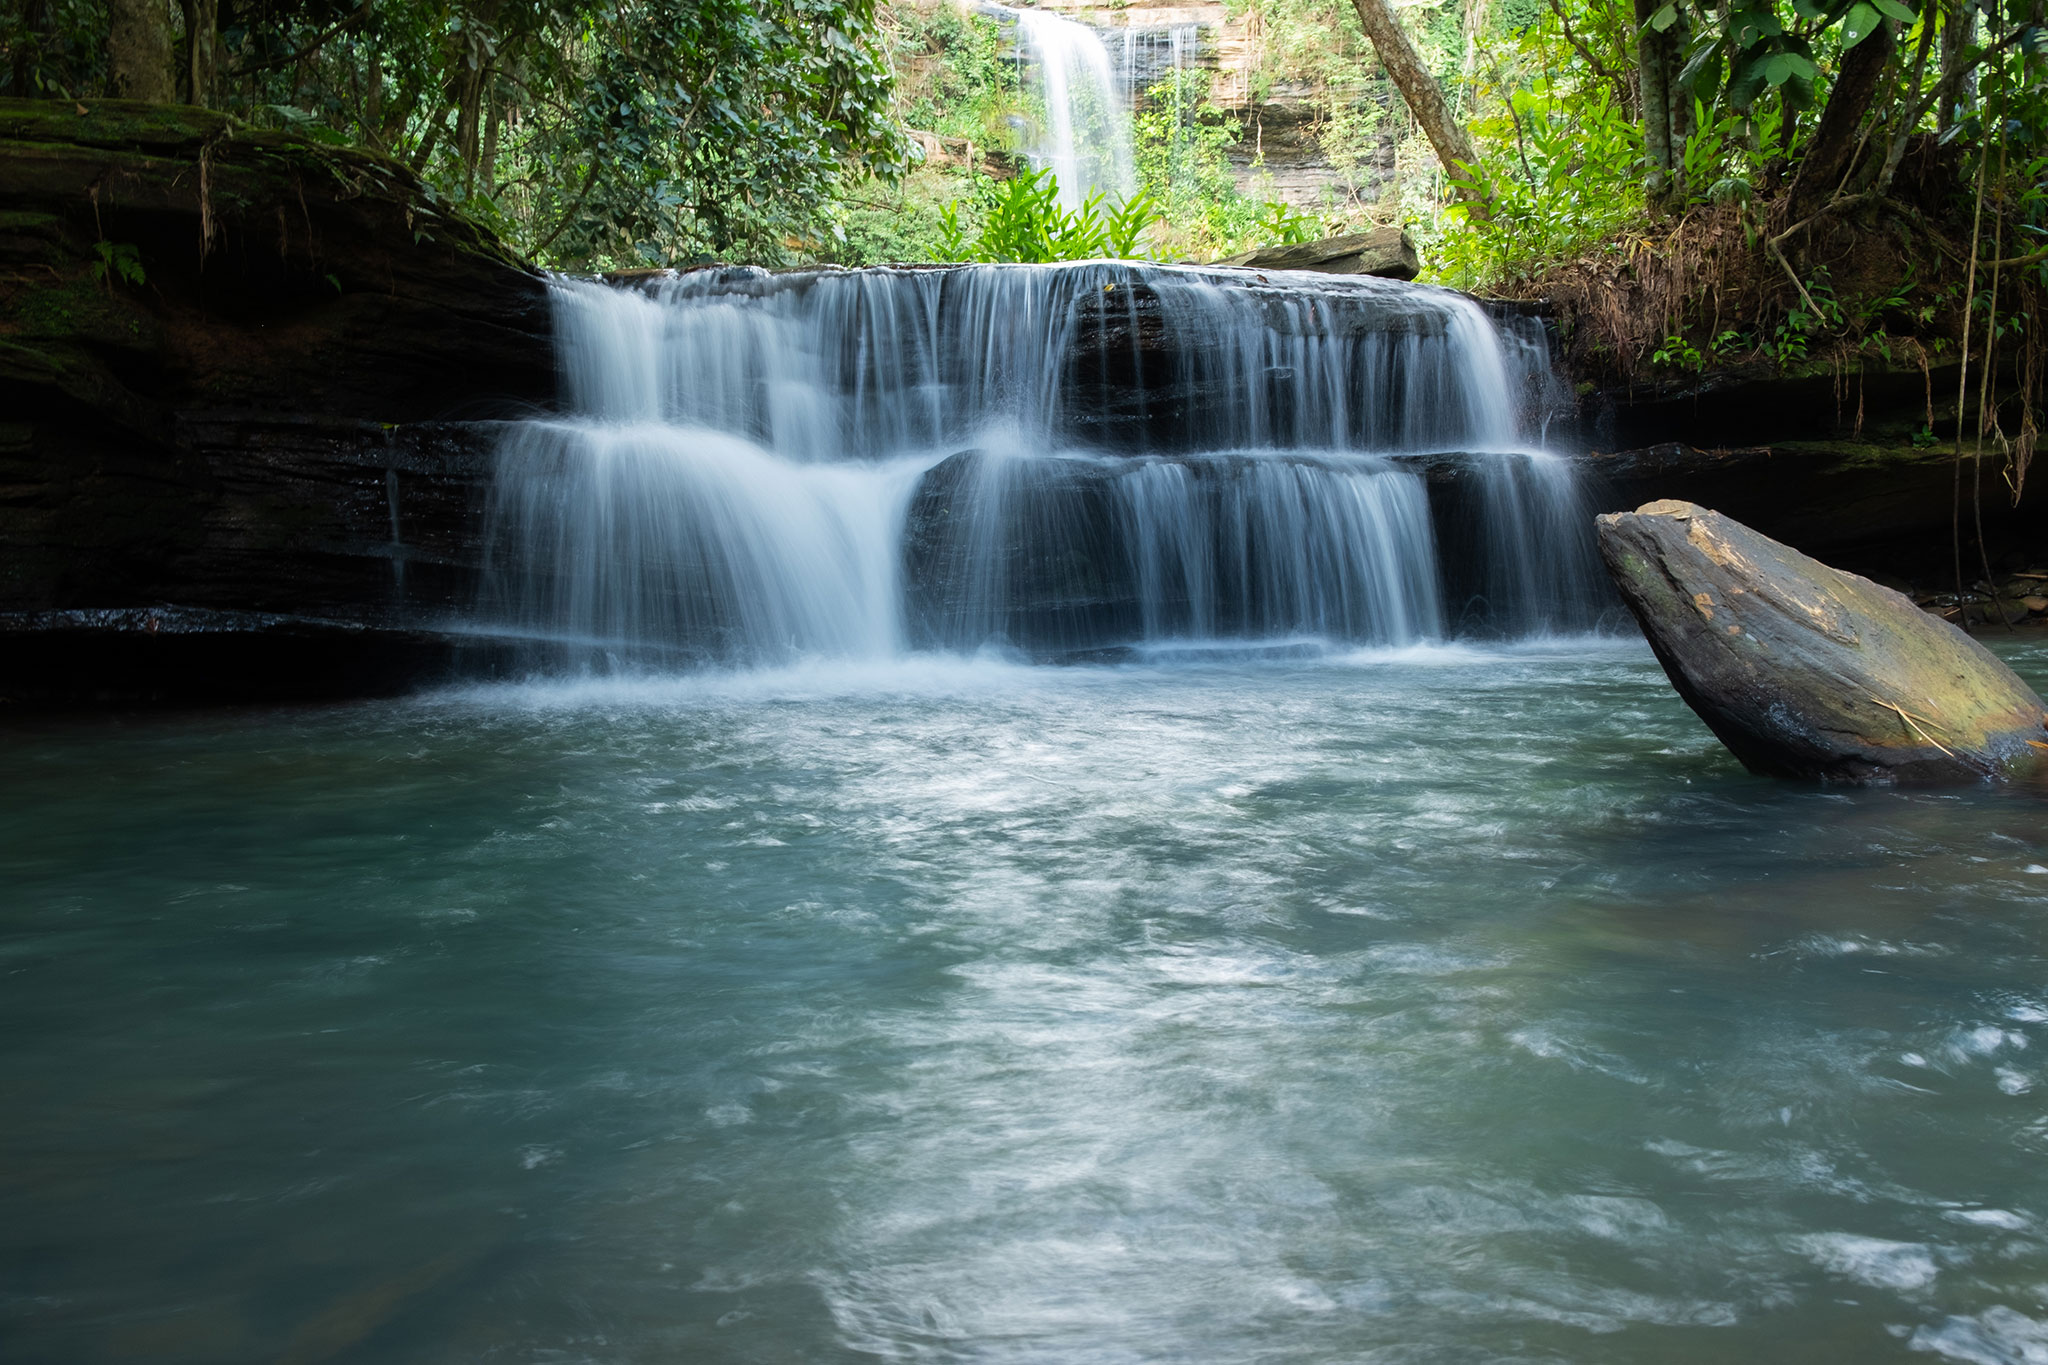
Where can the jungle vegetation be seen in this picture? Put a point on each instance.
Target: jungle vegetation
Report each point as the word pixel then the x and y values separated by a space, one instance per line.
pixel 587 132
pixel 1797 183
pixel 1811 186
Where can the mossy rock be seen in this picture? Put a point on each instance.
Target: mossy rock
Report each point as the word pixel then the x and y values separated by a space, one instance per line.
pixel 1807 672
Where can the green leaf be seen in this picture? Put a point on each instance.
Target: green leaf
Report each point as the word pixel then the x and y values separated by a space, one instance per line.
pixel 1702 73
pixel 1892 9
pixel 1664 18
pixel 1747 83
pixel 1751 27
pixel 1861 22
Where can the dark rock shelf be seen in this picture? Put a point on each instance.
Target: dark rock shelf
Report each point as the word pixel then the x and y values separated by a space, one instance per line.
pixel 247 373
pixel 184 656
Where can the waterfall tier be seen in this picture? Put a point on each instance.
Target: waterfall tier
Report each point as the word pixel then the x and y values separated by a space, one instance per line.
pixel 1085 138
pixel 1058 460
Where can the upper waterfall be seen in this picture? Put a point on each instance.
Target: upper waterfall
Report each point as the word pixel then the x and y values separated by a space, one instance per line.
pixel 1085 138
pixel 1056 459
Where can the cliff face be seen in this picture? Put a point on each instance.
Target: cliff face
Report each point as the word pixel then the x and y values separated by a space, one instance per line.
pixel 1837 464
pixel 248 374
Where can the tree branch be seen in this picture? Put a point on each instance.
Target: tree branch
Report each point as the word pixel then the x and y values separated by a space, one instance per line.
pixel 1424 97
pixel 569 214
pixel 2031 258
pixel 320 40
pixel 1606 73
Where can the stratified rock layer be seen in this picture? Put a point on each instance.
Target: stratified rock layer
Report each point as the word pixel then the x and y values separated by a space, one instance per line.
pixel 237 372
pixel 1382 251
pixel 1807 672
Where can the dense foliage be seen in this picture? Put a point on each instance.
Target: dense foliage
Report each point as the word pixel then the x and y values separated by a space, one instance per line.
pixel 1021 220
pixel 1697 181
pixel 588 131
pixel 963 93
pixel 1183 139
pixel 1814 186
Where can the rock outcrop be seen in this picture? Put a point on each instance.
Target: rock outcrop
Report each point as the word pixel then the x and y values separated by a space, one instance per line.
pixel 237 372
pixel 1872 506
pixel 1807 672
pixel 1384 251
pixel 1836 460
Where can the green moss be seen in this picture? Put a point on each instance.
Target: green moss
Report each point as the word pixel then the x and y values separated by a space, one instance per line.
pixel 37 364
pixel 1860 454
pixel 252 168
pixel 126 125
pixel 70 310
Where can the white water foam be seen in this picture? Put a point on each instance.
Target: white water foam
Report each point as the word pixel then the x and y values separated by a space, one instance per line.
pixel 1052 461
pixel 1085 139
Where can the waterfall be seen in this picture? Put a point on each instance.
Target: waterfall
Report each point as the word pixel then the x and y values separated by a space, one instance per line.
pixel 1062 461
pixel 1085 137
pixel 1152 55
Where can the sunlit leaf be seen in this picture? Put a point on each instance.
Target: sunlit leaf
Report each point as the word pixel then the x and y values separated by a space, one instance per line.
pixel 1861 21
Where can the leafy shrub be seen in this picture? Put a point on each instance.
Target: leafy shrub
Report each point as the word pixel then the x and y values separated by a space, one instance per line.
pixel 120 261
pixel 1021 220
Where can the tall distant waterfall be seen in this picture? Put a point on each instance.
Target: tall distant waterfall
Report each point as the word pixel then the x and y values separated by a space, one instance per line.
pixel 1086 137
pixel 1057 460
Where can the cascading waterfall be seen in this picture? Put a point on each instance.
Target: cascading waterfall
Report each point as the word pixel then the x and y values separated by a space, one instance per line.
pixel 1152 55
pixel 1085 139
pixel 1058 460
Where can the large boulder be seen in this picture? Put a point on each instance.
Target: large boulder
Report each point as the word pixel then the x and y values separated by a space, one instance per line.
pixel 1807 672
pixel 1384 251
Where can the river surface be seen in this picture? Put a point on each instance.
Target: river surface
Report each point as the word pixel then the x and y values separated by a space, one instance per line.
pixel 1441 1006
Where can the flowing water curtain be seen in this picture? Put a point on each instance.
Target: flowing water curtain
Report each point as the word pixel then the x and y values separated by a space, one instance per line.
pixel 650 544
pixel 1081 552
pixel 1366 365
pixel 1085 134
pixel 1055 459
pixel 1236 547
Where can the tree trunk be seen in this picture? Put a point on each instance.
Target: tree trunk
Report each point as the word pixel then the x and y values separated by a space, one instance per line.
pixel 487 168
pixel 1959 25
pixel 1828 156
pixel 1425 98
pixel 202 25
pixel 139 50
pixel 1677 98
pixel 468 104
pixel 1655 75
pixel 34 23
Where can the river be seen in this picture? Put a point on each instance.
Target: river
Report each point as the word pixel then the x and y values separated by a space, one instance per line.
pixel 1454 1003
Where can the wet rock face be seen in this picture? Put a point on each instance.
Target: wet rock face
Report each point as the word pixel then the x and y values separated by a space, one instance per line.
pixel 1807 672
pixel 238 372
pixel 167 258
pixel 220 348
